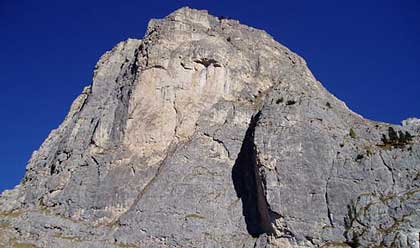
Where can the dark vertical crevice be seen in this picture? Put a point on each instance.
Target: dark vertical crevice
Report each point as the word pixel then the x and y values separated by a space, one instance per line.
pixel 123 90
pixel 327 203
pixel 249 182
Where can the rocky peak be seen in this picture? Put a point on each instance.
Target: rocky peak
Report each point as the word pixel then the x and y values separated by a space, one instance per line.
pixel 209 133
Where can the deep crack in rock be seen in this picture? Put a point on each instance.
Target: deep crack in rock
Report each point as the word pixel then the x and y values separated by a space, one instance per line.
pixel 249 186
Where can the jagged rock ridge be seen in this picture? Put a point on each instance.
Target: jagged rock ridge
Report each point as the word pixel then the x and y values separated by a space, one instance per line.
pixel 209 133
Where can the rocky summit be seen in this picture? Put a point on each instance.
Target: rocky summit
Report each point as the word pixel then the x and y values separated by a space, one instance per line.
pixel 209 133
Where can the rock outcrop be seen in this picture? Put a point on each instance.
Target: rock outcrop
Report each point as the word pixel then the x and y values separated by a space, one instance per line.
pixel 209 133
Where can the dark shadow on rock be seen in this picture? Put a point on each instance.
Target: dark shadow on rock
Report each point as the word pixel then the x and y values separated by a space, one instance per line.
pixel 248 185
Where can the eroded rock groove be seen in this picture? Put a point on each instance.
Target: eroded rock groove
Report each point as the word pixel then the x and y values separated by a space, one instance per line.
pixel 249 185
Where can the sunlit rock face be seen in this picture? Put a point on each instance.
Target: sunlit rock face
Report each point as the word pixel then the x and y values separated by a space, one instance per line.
pixel 209 133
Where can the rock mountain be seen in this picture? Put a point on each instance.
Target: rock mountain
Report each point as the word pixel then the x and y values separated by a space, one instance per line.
pixel 209 133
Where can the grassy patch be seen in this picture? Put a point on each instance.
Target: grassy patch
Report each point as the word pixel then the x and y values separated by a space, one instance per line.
pixel 12 214
pixel 70 238
pixel 194 216
pixel 126 245
pixel 335 244
pixel 16 244
pixel 4 225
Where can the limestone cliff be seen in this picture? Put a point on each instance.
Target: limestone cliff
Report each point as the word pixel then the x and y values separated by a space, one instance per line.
pixel 209 133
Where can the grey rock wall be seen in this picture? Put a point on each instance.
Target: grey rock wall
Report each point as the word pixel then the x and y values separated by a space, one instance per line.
pixel 209 133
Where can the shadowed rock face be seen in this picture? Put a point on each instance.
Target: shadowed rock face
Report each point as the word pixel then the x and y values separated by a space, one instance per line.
pixel 249 183
pixel 209 133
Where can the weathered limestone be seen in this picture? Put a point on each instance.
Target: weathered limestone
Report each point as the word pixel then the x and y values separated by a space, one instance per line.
pixel 209 133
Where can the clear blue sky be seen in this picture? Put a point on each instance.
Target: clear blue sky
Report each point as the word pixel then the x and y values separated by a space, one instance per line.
pixel 367 53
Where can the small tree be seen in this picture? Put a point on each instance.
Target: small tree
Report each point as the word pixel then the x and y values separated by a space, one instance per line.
pixel 401 137
pixel 393 136
pixel 385 139
pixel 408 137
pixel 397 139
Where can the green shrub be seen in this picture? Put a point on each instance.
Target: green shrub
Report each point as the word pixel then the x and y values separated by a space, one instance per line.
pixel 393 136
pixel 352 133
pixel 396 139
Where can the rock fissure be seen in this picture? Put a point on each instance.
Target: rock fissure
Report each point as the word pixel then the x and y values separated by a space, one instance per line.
pixel 171 150
pixel 249 186
pixel 327 202
pixel 219 142
pixel 388 168
pixel 327 197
